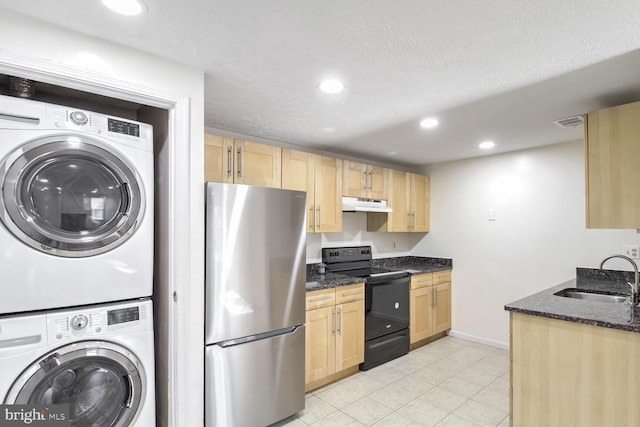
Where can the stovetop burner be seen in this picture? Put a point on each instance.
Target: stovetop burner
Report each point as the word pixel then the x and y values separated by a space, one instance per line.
pixel 356 262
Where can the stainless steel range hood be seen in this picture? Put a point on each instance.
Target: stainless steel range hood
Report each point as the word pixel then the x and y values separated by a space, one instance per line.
pixel 353 204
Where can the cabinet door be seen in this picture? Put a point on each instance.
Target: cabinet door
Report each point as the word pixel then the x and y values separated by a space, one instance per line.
pixel 354 179
pixel 613 167
pixel 257 164
pixel 218 158
pixel 378 183
pixel 421 314
pixel 320 352
pixel 328 215
pixel 349 334
pixel 399 196
pixel 298 173
pixel 442 308
pixel 419 203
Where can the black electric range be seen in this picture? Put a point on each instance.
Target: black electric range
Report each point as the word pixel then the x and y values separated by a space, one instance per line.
pixel 386 302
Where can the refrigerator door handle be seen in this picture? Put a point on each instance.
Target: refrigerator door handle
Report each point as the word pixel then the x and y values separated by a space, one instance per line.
pixel 257 337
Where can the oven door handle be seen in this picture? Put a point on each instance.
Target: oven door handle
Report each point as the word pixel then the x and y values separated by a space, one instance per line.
pixel 397 281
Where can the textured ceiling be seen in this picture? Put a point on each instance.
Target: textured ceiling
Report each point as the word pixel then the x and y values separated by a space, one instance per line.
pixel 498 70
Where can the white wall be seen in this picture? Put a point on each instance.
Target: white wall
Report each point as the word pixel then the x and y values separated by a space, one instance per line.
pixel 50 54
pixel 538 238
pixel 354 233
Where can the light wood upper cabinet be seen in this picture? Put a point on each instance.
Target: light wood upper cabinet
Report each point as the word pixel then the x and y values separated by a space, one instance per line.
pixel 612 143
pixel 242 162
pixel 364 181
pixel 321 178
pixel 429 305
pixel 419 205
pixel 218 158
pixel 409 201
pixel 334 339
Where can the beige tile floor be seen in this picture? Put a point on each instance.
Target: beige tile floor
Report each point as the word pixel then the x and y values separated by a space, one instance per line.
pixel 448 383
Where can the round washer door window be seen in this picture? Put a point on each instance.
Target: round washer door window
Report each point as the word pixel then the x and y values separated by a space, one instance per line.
pixel 100 381
pixel 70 196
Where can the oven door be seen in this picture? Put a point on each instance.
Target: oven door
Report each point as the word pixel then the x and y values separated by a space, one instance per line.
pixel 386 307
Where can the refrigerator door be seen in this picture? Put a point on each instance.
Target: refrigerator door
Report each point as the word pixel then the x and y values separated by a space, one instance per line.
pixel 256 260
pixel 256 383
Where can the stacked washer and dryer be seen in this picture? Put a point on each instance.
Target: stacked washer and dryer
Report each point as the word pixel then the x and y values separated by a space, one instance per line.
pixel 76 263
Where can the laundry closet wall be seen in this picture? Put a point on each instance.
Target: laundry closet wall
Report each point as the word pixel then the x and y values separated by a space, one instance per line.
pixel 42 52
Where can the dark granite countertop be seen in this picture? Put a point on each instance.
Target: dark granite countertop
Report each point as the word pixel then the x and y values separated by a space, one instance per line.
pixel 411 264
pixel 604 314
pixel 316 281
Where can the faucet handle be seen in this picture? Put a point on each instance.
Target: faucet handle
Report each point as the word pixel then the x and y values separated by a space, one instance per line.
pixel 633 296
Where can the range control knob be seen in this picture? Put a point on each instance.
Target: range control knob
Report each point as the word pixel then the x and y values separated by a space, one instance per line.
pixel 79 118
pixel 79 322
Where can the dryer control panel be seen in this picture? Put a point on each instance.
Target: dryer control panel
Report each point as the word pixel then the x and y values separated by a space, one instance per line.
pixel 100 321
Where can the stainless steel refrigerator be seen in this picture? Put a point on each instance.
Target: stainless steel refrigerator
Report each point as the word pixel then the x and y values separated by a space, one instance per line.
pixel 255 304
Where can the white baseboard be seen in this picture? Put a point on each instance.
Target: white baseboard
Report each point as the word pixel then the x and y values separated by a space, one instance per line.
pixel 481 340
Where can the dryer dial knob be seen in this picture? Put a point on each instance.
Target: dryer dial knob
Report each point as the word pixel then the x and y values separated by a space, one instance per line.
pixel 79 118
pixel 79 322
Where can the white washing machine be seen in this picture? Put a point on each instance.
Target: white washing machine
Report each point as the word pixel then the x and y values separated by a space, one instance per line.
pixel 98 360
pixel 76 207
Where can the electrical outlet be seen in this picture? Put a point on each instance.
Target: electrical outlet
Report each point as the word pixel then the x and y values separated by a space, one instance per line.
pixel 632 252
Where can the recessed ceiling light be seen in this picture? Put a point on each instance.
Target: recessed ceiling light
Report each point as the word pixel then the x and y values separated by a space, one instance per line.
pixel 485 145
pixel 331 86
pixel 125 7
pixel 392 153
pixel 429 123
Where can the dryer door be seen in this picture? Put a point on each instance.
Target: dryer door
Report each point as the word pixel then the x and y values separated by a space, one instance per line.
pixel 102 383
pixel 71 196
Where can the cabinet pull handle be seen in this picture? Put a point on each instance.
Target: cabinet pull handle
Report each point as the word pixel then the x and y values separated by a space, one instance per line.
pixel 239 162
pixel 319 218
pixel 334 321
pixel 339 320
pixel 322 298
pixel 371 181
pixel 229 162
pixel 346 294
pixel 313 217
pixel 434 297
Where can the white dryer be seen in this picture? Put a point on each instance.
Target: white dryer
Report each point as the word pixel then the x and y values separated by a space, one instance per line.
pixel 76 207
pixel 98 360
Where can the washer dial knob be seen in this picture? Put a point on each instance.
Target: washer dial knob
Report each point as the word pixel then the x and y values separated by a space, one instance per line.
pixel 79 322
pixel 79 118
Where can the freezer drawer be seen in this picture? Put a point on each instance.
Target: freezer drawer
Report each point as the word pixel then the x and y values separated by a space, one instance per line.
pixel 255 383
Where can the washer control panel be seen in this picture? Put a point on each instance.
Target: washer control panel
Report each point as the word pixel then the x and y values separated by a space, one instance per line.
pixel 94 322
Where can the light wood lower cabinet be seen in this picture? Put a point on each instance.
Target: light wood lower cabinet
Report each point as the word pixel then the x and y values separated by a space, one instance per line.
pixel 334 332
pixel 429 305
pixel 573 374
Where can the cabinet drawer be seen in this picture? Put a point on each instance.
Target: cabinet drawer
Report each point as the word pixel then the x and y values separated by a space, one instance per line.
pixel 349 293
pixel 441 277
pixel 421 280
pixel 322 298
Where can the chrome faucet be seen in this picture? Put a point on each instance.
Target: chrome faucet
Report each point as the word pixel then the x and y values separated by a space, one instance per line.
pixel 635 286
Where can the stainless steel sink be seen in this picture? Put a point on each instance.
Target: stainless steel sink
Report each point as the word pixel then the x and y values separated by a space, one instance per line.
pixel 592 296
